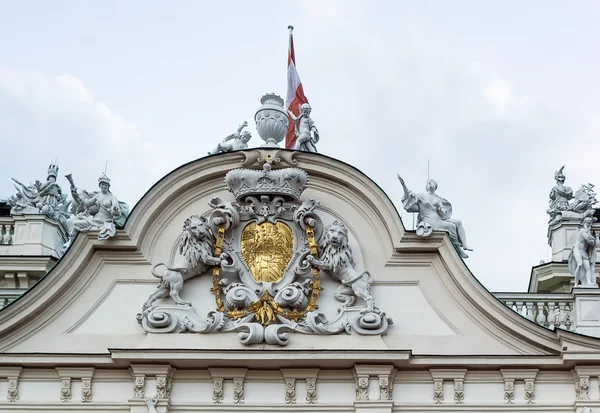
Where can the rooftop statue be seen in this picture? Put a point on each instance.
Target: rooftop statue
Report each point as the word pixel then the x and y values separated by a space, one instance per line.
pixel 307 134
pixel 562 201
pixel 234 142
pixel 582 260
pixel 435 213
pixel 99 210
pixel 40 198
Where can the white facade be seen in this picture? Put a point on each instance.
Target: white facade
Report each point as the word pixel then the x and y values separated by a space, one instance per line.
pixel 72 343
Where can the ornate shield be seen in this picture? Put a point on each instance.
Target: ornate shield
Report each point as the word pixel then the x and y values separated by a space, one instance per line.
pixel 267 249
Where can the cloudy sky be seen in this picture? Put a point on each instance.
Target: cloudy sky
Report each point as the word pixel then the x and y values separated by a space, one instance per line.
pixel 496 95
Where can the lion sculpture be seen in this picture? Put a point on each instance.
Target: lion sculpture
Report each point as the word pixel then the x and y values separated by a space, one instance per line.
pixel 195 257
pixel 336 259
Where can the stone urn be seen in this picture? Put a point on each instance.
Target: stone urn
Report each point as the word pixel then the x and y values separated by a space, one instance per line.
pixel 271 120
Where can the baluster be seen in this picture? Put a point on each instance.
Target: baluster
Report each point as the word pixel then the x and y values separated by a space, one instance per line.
pixel 562 315
pixel 551 315
pixel 568 323
pixel 541 317
pixel 530 315
pixel 2 229
pixel 519 308
pixel 509 304
pixel 7 237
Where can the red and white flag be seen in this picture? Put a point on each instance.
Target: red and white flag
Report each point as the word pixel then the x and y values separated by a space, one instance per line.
pixel 295 94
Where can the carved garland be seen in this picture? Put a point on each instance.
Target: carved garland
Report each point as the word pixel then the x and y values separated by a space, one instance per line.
pixel 266 308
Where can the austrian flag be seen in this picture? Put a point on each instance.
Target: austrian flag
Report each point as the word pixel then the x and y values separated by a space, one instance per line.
pixel 295 94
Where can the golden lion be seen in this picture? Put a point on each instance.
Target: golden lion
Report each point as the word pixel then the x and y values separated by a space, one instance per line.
pixel 195 257
pixel 336 259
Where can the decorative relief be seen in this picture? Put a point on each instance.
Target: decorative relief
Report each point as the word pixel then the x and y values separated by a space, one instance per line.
pixel 582 387
pixel 217 391
pixel 311 391
pixel 290 391
pixel 238 391
pixel 362 388
pixel 86 389
pixel 65 390
pixel 161 386
pixel 509 391
pixel 438 391
pixel 266 262
pixel 139 383
pixel 459 391
pixel 530 391
pixel 13 389
pixel 385 387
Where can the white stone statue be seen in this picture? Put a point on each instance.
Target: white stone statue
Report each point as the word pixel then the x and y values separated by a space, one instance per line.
pixel 582 259
pixel 563 203
pixel 307 134
pixel 435 213
pixel 151 404
pixel 337 260
pixel 40 198
pixel 99 210
pixel 234 142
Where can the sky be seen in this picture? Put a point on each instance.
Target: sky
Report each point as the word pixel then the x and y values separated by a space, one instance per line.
pixel 494 95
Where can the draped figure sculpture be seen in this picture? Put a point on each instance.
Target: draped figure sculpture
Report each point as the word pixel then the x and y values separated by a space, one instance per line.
pixel 96 211
pixel 435 213
pixel 582 259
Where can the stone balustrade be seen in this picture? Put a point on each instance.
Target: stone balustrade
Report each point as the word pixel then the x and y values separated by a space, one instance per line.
pixel 548 310
pixel 7 296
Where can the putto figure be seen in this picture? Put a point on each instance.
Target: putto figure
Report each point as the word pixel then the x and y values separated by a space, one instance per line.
pixel 307 134
pixel 435 213
pixel 582 259
pixel 234 142
pixel 99 210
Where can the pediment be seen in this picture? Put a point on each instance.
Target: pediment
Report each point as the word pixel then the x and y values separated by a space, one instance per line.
pixel 425 301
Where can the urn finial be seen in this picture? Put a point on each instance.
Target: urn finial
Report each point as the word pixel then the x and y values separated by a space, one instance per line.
pixel 271 120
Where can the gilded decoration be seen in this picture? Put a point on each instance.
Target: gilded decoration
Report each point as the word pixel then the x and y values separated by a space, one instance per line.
pixel 267 249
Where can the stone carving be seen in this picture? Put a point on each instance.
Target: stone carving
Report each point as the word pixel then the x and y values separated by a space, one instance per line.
pixel 161 387
pixel 338 261
pixel 13 389
pixel 95 211
pixel 530 391
pixel 438 391
pixel 290 391
pixel 362 388
pixel 459 391
pixel 586 410
pixel 564 204
pixel 582 259
pixel 264 252
pixel 139 384
pixel 195 257
pixel 582 387
pixel 217 391
pixel 151 404
pixel 509 391
pixel 435 213
pixel 271 120
pixel 385 387
pixel 311 391
pixel 234 142
pixel 238 391
pixel 307 135
pixel 86 390
pixel 65 390
pixel 40 198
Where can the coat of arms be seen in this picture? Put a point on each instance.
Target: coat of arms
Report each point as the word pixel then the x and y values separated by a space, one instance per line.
pixel 266 251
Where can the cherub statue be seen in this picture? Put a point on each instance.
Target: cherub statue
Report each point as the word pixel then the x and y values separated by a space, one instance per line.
pixel 582 259
pixel 100 210
pixel 435 213
pixel 234 142
pixel 307 134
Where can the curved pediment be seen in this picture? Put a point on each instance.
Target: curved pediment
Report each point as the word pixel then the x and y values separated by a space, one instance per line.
pixel 416 295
